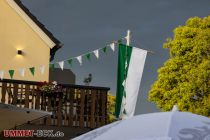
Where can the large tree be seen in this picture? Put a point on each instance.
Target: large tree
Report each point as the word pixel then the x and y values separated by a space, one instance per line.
pixel 184 79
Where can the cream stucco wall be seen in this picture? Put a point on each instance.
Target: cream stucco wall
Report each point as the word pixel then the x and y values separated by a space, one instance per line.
pixel 16 34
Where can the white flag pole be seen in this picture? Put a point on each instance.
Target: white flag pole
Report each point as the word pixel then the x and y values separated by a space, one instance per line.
pixel 128 38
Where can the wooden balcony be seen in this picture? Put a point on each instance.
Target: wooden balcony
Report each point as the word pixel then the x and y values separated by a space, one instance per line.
pixel 75 106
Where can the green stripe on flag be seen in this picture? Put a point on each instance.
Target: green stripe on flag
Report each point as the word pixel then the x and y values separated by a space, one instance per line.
pixel 124 56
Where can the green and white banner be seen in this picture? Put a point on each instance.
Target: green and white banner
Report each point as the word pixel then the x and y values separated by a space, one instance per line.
pixel 131 62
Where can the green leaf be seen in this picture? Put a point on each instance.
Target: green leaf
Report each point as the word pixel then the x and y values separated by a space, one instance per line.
pixel 11 73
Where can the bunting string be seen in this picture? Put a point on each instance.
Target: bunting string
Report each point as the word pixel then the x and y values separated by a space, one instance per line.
pixel 85 55
pixel 21 71
pixel 61 63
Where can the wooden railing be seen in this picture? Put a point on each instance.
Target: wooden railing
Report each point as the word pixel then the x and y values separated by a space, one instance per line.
pixel 75 105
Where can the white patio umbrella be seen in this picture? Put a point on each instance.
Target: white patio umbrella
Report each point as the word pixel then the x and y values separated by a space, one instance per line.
pixel 172 125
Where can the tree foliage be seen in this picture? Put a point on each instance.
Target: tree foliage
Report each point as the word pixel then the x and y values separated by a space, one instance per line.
pixel 111 99
pixel 184 79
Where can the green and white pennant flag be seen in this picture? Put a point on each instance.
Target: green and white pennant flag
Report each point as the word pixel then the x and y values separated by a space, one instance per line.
pixel 42 69
pixel 112 46
pixel 131 62
pixel 96 53
pixel 61 64
pixel 22 72
pixel 1 74
pixel 11 73
pixel 79 58
pixel 32 70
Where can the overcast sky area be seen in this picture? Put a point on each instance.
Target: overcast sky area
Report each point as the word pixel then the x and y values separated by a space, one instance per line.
pixel 86 25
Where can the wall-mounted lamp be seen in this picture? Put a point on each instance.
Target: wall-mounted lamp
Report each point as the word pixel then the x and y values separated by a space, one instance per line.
pixel 19 52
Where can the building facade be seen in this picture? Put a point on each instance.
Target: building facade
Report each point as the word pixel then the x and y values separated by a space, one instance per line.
pixel 25 42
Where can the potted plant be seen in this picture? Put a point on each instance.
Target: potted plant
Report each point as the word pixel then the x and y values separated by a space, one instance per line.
pixel 52 91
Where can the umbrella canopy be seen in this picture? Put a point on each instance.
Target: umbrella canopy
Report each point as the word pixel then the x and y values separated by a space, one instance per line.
pixel 172 125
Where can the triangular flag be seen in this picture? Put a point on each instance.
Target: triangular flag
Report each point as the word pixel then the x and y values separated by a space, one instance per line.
pixel 61 64
pixel 22 72
pixel 104 49
pixel 96 52
pixel 32 70
pixel 112 46
pixel 11 73
pixel 52 66
pixel 88 56
pixel 70 61
pixel 79 58
pixel 1 74
pixel 42 69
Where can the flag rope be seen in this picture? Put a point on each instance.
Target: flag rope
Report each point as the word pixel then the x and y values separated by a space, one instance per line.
pixel 79 58
pixel 42 67
pixel 115 42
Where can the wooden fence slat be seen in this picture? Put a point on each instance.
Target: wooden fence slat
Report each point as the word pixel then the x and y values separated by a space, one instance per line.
pixel 98 108
pixel 82 106
pixel 65 109
pixel 9 93
pixel 71 106
pixel 20 95
pixel 15 94
pixel 104 107
pixel 27 92
pixel 60 105
pixel 92 108
pixel 87 108
pixel 3 92
pixel 37 100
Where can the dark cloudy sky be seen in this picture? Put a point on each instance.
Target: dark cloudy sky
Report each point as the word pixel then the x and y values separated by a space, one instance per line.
pixel 85 25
